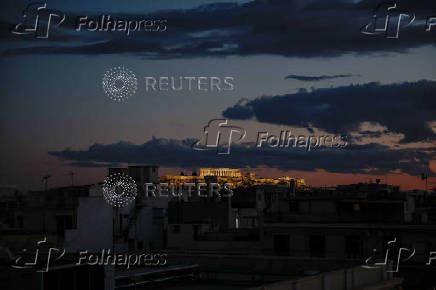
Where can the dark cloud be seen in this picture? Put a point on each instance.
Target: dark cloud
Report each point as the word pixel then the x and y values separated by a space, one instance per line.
pixel 370 134
pixel 405 108
pixel 365 159
pixel 281 27
pixel 317 78
pixel 93 164
pixel 5 31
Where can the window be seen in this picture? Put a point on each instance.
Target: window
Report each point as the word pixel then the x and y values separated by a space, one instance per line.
pixel 63 222
pixel 254 221
pixel 353 246
pixel 317 246
pixel 356 207
pixel 121 223
pixel 281 245
pixel 293 206
pixel 131 244
pixel 196 232
pixel 20 222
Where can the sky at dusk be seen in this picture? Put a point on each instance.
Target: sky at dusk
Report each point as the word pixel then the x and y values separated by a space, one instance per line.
pixel 297 65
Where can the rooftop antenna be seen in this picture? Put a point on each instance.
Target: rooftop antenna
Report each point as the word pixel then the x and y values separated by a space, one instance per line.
pixel 72 177
pixel 45 180
pixel 425 177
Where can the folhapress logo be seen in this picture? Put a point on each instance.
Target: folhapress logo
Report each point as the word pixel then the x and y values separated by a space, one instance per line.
pixel 38 20
pixel 218 135
pixel 388 20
